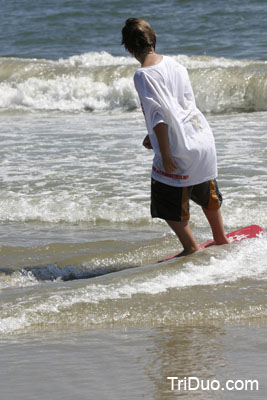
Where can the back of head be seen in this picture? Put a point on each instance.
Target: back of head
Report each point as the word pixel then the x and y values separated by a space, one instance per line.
pixel 138 36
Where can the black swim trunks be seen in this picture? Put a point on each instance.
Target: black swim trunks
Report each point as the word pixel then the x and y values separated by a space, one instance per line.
pixel 172 203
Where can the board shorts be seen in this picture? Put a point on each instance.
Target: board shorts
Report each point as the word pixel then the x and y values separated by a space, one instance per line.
pixel 172 203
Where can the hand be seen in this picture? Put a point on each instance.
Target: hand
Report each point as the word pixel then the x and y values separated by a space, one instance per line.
pixel 169 164
pixel 147 143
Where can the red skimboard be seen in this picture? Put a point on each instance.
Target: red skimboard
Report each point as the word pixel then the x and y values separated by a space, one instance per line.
pixel 249 232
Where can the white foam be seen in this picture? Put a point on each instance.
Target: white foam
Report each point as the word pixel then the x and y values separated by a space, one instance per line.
pixel 17 280
pixel 10 325
pixel 204 62
pixel 68 207
pixel 97 59
pixel 238 262
pixel 69 94
pixel 227 266
pixel 100 81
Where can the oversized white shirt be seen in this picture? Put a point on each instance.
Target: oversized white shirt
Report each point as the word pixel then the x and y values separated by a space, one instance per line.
pixel 166 95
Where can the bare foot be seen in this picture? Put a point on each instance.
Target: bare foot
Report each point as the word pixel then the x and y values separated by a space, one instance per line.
pixel 186 253
pixel 224 241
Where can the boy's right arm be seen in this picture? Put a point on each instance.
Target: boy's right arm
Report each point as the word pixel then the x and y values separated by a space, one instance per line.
pixel 147 143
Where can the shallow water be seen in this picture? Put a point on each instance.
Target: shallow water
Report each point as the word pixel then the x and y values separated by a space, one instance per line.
pixel 86 311
pixel 75 204
pixel 136 363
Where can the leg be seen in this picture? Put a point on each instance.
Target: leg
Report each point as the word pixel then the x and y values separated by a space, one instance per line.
pixel 208 196
pixel 216 223
pixel 185 235
pixel 172 204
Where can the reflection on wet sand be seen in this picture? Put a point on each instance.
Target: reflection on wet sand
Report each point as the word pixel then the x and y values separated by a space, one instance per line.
pixel 184 352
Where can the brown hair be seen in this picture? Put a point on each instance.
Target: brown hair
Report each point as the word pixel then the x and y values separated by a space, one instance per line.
pixel 137 35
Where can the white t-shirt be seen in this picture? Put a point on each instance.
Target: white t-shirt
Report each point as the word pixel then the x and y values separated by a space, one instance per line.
pixel 166 96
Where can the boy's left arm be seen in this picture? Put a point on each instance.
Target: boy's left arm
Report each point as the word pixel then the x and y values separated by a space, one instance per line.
pixel 146 141
pixel 161 131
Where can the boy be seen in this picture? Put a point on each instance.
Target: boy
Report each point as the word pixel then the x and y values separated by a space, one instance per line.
pixel 184 165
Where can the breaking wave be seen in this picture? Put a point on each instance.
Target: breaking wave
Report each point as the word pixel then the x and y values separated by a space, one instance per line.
pixel 138 295
pixel 100 82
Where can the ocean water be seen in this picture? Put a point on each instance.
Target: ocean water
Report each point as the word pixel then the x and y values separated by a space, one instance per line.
pixel 194 27
pixel 86 312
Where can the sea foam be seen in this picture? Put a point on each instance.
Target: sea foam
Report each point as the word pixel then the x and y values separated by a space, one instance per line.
pixel 100 81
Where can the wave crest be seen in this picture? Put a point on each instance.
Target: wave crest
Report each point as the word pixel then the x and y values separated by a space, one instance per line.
pixel 101 82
